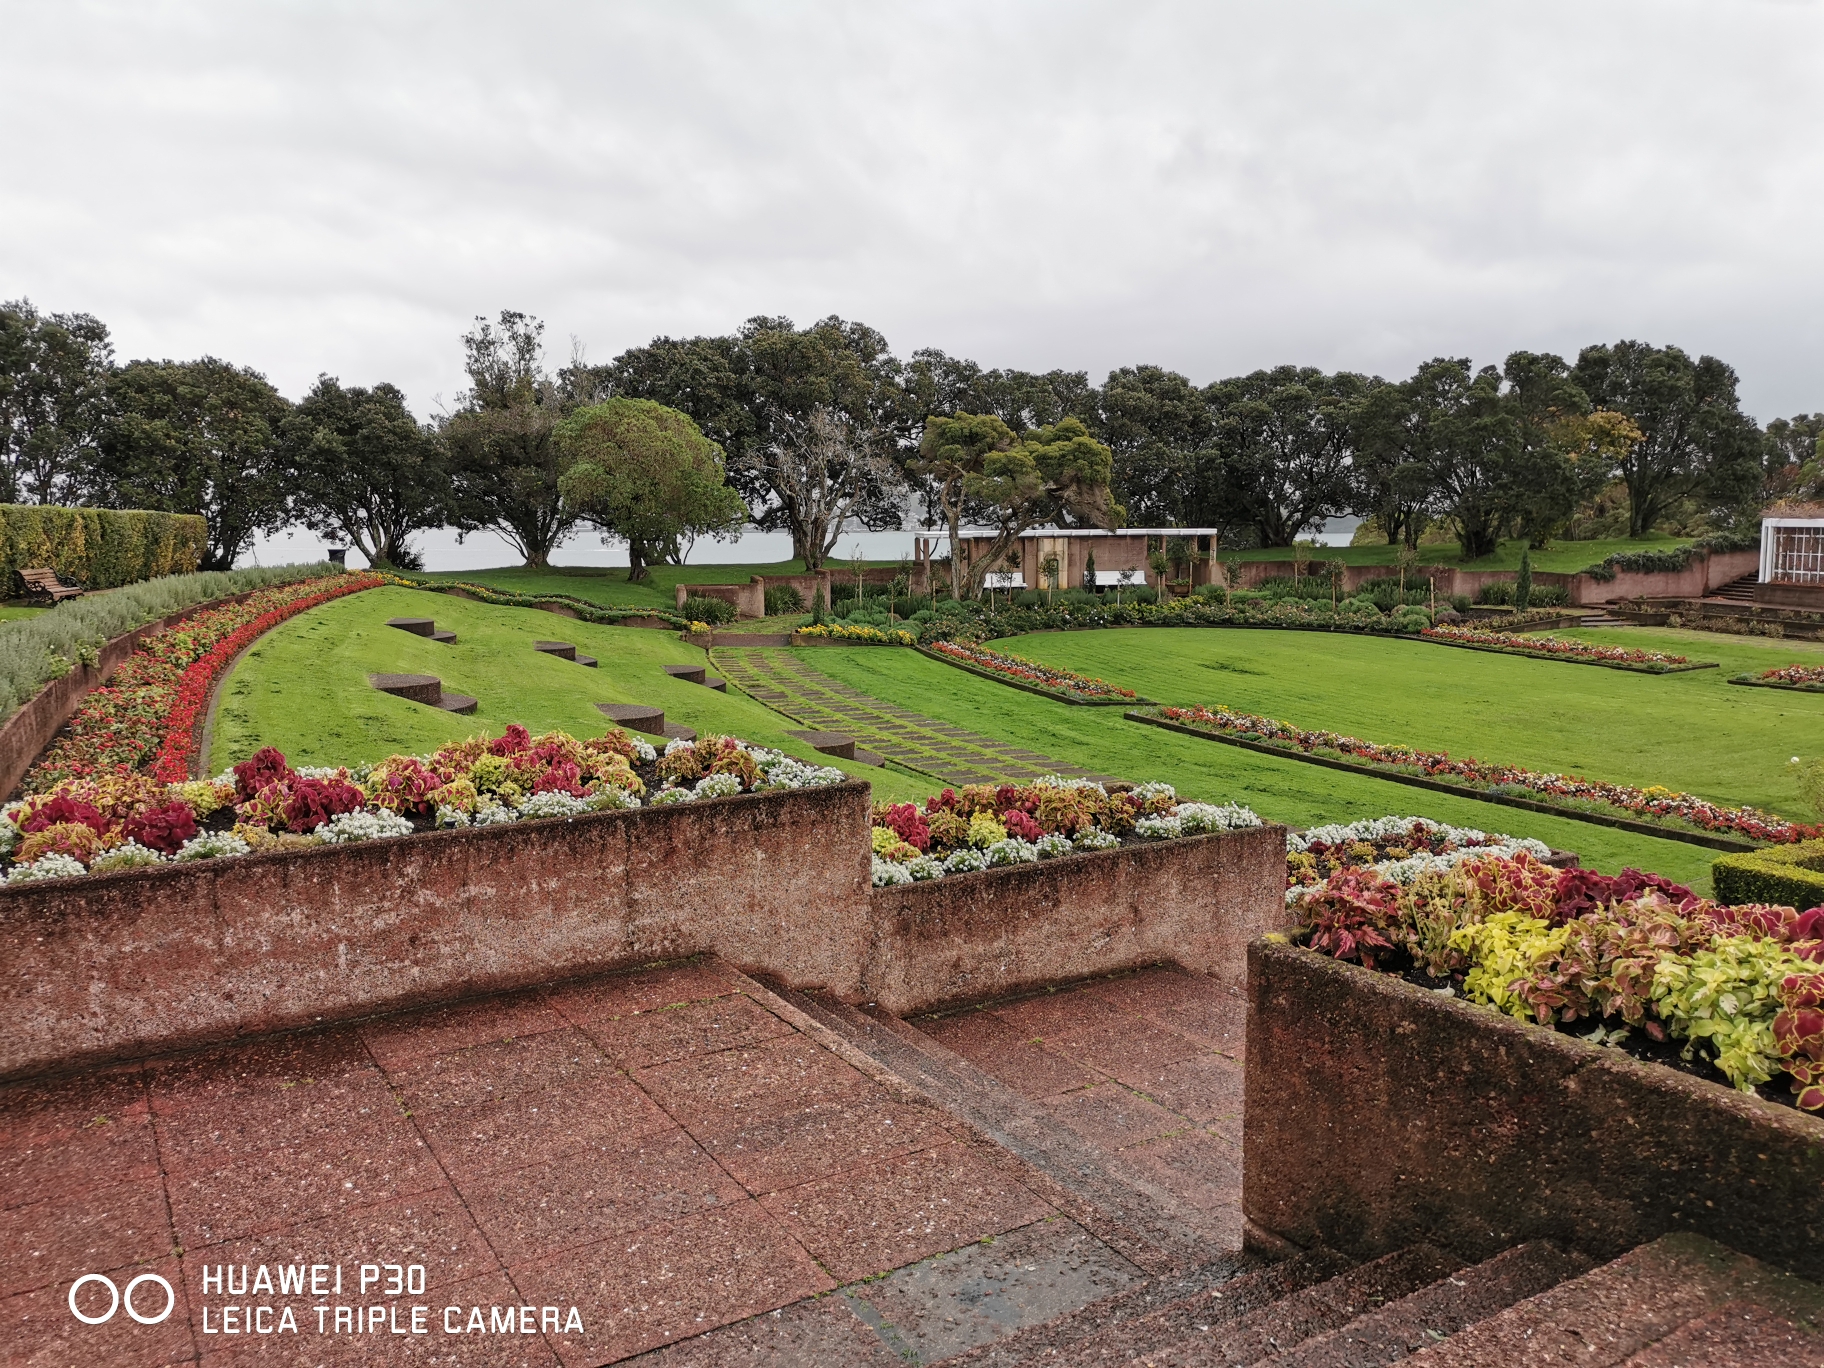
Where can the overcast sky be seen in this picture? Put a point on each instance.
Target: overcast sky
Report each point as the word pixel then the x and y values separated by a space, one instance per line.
pixel 312 187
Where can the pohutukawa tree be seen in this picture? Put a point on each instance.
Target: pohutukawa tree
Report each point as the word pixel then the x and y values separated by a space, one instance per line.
pixel 1057 474
pixel 954 449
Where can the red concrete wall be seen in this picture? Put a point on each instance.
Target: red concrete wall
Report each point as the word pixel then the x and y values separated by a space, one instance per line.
pixel 969 937
pixel 748 599
pixel 1378 1114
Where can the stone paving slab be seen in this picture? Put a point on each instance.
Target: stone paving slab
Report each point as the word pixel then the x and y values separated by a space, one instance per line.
pixel 787 682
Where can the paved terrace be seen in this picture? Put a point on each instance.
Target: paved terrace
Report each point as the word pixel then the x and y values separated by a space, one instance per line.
pixel 693 1162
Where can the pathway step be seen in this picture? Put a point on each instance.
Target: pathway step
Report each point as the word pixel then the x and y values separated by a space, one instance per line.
pixel 458 703
pixel 691 674
pixel 640 717
pixel 563 650
pixel 425 689
pixel 587 661
pixel 446 638
pixel 416 626
pixel 829 742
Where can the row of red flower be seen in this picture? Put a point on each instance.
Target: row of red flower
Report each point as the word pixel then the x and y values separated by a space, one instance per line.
pixel 1563 647
pixel 149 710
pixel 1795 674
pixel 1028 672
pixel 1651 802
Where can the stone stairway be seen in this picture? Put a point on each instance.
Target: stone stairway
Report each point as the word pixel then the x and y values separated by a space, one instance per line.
pixel 1739 590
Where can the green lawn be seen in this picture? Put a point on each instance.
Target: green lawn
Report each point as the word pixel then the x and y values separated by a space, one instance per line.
pixel 608 585
pixel 1692 731
pixel 303 687
pixel 19 614
pixel 1560 558
pixel 1281 790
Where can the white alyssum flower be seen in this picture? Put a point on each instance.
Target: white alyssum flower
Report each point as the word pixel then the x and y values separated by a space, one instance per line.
pixel 132 855
pixel 1200 817
pixel 887 874
pixel 1053 844
pixel 451 816
pixel 965 861
pixel 213 845
pixel 923 868
pixel 667 797
pixel 1094 838
pixel 1011 851
pixel 55 865
pixel 493 814
pixel 678 743
pixel 1058 781
pixel 551 804
pixel 718 786
pixel 608 798
pixel 1156 789
pixel 9 836
pixel 643 751
pixel 369 824
pixel 1159 828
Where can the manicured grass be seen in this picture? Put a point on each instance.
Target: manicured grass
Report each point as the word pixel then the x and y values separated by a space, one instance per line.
pixel 608 585
pixel 20 614
pixel 1562 558
pixel 1281 790
pixel 1690 731
pixel 303 687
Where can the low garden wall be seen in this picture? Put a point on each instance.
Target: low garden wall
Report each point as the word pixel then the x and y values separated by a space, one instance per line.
pixel 112 966
pixel 1378 1114
pixel 1703 574
pixel 968 937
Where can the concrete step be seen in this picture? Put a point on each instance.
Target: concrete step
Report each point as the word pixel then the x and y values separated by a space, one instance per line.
pixel 1138 1218
pixel 1420 1319
pixel 587 661
pixel 1673 1289
pixel 445 638
pixel 458 703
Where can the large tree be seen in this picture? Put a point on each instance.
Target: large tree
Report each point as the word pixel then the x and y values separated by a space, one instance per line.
pixel 1284 438
pixel 504 464
pixel 954 450
pixel 363 470
pixel 645 474
pixel 1792 453
pixel 1563 453
pixel 1390 470
pixel 197 437
pixel 1056 474
pixel 1467 430
pixel 54 372
pixel 1160 429
pixel 1695 441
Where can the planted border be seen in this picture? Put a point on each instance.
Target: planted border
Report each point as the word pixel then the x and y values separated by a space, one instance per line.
pixel 1018 673
pixel 1754 828
pixel 584 610
pixel 1803 678
pixel 1564 649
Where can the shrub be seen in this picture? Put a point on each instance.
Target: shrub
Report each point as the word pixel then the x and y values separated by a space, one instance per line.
pixel 1505 594
pixel 98 548
pixel 1789 875
pixel 780 601
pixel 714 611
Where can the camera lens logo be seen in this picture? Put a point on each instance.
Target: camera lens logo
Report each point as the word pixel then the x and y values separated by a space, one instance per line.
pixel 117 1298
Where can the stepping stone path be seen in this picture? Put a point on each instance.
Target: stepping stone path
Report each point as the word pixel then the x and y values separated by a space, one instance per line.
pixel 695 674
pixel 787 683
pixel 423 627
pixel 425 689
pixel 563 650
pixel 642 717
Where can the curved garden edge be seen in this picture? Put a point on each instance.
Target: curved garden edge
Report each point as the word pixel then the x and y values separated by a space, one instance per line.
pixel 1636 668
pixel 1055 694
pixel 1750 681
pixel 1700 838
pixel 36 724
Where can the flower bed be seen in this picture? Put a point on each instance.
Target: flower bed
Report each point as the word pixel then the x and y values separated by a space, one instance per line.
pixel 149 711
pixel 1633 960
pixel 1564 648
pixel 584 610
pixel 1026 674
pixel 1480 778
pixel 854 636
pixel 1809 678
pixel 102 821
pixel 986 826
pixel 1396 848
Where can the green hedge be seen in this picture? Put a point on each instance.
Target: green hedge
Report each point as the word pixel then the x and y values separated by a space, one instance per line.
pixel 98 548
pixel 1788 876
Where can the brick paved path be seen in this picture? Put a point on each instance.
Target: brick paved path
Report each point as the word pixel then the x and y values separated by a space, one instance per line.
pixel 786 682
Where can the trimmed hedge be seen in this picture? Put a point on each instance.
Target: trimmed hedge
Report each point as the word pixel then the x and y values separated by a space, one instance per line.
pixel 1787 876
pixel 1675 559
pixel 98 548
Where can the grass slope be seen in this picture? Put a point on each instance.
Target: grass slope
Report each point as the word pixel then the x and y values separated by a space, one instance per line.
pixel 1690 731
pixel 1281 790
pixel 303 687
pixel 1564 558
pixel 607 585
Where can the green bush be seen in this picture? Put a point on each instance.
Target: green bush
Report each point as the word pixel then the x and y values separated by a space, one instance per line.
pixel 98 548
pixel 48 646
pixel 1787 875
pixel 781 600
pixel 714 611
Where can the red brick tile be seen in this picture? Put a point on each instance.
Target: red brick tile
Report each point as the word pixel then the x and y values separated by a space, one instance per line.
pixel 592 1194
pixel 1111 1117
pixel 1192 1004
pixel 533 1128
pixel 1207 1088
pixel 646 1038
pixel 1052 1013
pixel 334 1169
pixel 397 1040
pixel 643 1290
pixel 712 1094
pixel 38 1331
pixel 995 1047
pixel 432 1229
pixel 806 1334
pixel 783 1151
pixel 502 1069
pixel 72 1135
pixel 893 1213
pixel 1129 1048
pixel 644 990
pixel 57 1240
pixel 1199 1169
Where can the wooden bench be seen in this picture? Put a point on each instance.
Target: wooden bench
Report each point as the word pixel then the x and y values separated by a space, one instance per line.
pixel 47 582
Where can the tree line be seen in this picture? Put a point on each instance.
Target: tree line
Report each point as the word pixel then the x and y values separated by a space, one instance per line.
pixel 810 430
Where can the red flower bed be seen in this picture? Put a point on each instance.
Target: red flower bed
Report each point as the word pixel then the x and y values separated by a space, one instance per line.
pixel 1795 674
pixel 151 709
pixel 1047 677
pixel 1561 648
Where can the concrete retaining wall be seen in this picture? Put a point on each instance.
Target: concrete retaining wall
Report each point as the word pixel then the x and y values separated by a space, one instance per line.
pixel 1378 1114
pixel 123 965
pixel 969 937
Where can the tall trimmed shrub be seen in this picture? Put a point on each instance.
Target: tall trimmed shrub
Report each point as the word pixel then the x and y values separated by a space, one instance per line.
pixel 1788 875
pixel 99 548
